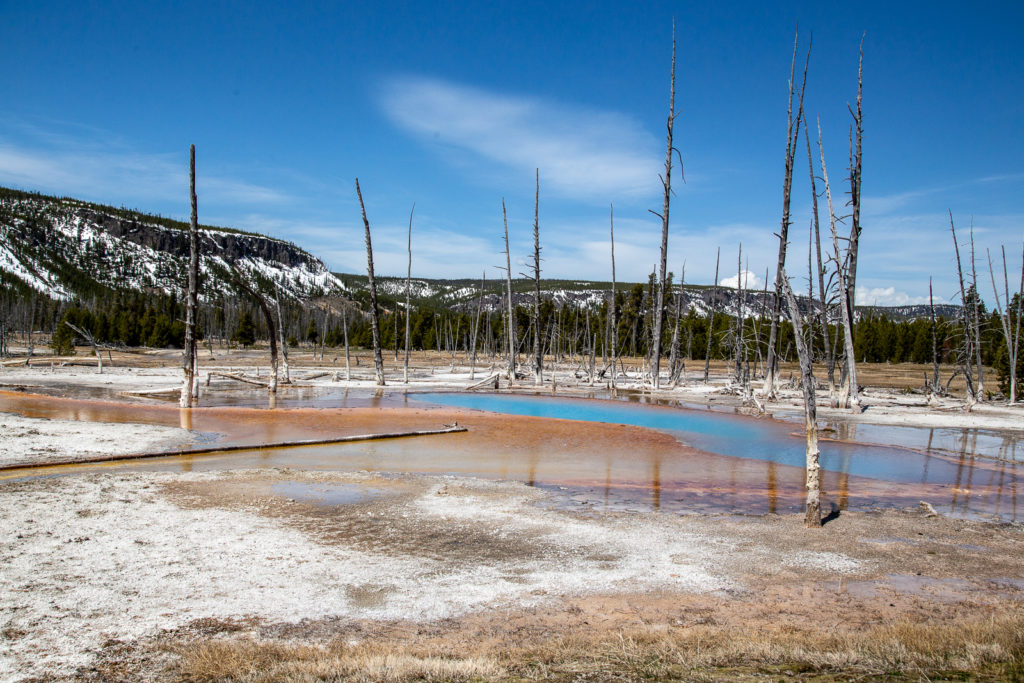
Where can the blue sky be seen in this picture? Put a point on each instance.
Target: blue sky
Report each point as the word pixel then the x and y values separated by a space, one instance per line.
pixel 453 106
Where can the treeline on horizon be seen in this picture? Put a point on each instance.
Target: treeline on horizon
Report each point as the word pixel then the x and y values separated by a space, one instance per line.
pixel 568 331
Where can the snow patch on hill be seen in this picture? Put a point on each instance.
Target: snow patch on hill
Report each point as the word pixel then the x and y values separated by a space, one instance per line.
pixel 58 247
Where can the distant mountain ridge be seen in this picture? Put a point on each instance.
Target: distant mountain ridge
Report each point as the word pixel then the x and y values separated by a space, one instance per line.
pixel 464 294
pixel 67 248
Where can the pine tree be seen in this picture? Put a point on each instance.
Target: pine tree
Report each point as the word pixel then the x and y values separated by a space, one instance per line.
pixel 245 333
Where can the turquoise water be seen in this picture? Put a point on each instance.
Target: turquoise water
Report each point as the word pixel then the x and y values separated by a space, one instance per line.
pixel 723 434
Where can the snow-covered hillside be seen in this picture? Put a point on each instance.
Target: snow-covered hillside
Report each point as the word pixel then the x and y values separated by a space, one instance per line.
pixel 65 248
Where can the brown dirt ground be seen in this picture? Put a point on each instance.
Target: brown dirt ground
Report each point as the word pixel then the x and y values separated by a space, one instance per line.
pixel 935 598
pixel 920 607
pixel 898 376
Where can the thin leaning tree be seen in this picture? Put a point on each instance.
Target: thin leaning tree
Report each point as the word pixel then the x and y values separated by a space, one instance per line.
pixel 966 352
pixel 847 268
pixel 408 307
pixel 538 365
pixel 241 280
pixel 614 332
pixel 378 360
pixel 851 393
pixel 711 316
pixel 830 357
pixel 281 334
pixel 792 137
pixel 666 182
pixel 1010 326
pixel 853 243
pixel 511 326
pixel 189 355
pixel 812 515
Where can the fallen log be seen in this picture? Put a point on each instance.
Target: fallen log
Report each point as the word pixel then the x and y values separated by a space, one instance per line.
pixel 240 378
pixel 216 450
pixel 149 393
pixel 315 375
pixel 493 379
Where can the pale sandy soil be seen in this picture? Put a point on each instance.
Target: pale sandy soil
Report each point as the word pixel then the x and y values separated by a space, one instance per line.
pixel 885 407
pixel 106 571
pixel 42 440
pixel 98 561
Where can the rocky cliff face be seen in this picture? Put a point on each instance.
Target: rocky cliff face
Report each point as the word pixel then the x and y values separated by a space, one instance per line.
pixel 230 246
pixel 65 248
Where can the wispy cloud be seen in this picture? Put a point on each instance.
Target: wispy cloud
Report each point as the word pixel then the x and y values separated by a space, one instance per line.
pixel 887 204
pixel 881 205
pixel 63 163
pixel 582 153
pixel 437 251
pixel 889 296
pixel 1002 178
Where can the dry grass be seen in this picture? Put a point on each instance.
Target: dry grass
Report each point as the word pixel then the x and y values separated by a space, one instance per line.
pixel 247 660
pixel 990 649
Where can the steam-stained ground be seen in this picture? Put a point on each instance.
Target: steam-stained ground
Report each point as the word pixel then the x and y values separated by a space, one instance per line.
pixel 113 569
pixel 292 574
pixel 42 440
pixel 892 394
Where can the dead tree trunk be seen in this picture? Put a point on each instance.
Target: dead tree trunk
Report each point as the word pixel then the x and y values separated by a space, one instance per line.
pixel 455 340
pixel 737 349
pixel 31 328
pixel 852 396
pixel 666 182
pixel 792 136
pixel 408 306
pixel 1020 309
pixel 511 315
pixel 261 301
pixel 936 382
pixel 348 357
pixel 1010 336
pixel 711 316
pixel 830 358
pixel 3 336
pixel 476 328
pixel 761 317
pixel 394 343
pixel 325 324
pixel 673 358
pixel 614 322
pixel 272 333
pixel 538 368
pixel 849 291
pixel 812 517
pixel 95 347
pixel 853 249
pixel 192 304
pixel 975 318
pixel 966 353
pixel 281 336
pixel 378 361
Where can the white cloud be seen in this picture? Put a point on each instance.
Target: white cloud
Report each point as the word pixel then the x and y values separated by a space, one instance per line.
pixel 582 153
pixel 888 296
pixel 750 281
